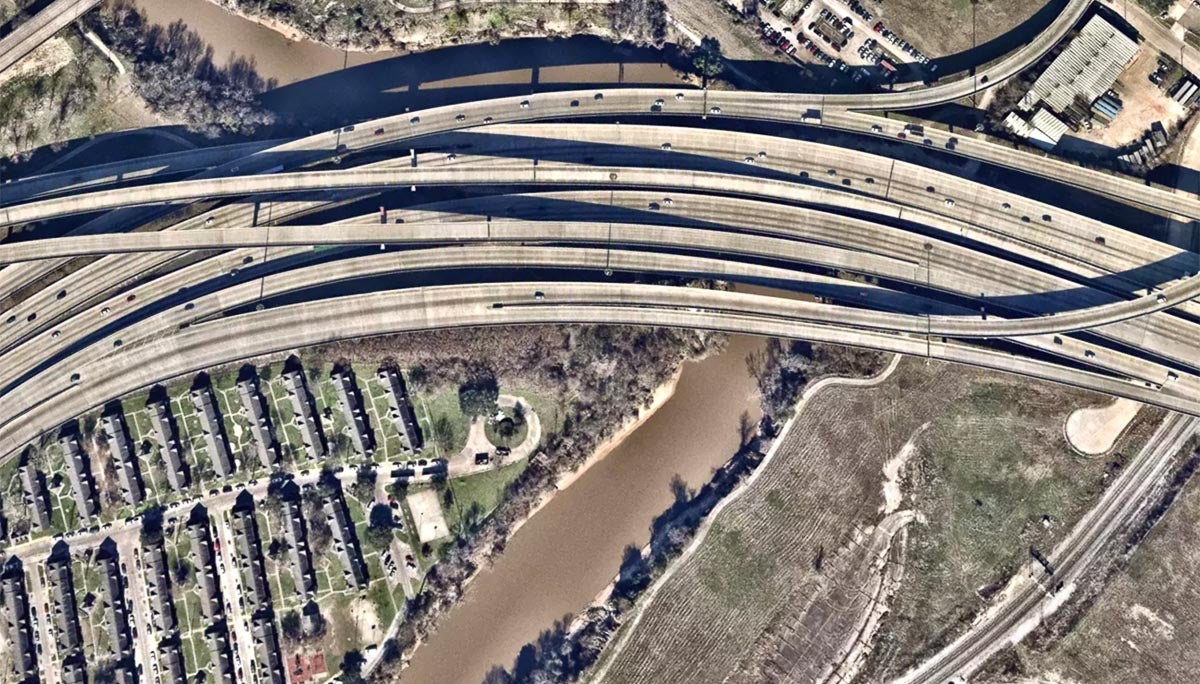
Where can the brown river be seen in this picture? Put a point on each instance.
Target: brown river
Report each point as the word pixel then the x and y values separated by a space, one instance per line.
pixel 569 551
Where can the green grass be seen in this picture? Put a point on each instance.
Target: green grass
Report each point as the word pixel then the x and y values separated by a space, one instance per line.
pixel 381 598
pixel 484 490
pixel 444 403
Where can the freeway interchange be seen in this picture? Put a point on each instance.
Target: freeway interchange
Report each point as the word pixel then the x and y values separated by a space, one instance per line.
pixel 238 261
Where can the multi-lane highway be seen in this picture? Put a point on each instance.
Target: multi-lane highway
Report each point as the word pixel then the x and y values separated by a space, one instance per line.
pixel 901 257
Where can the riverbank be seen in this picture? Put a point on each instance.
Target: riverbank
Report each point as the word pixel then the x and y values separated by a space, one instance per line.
pixel 562 556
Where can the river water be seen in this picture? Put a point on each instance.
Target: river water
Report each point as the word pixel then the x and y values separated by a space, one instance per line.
pixel 569 551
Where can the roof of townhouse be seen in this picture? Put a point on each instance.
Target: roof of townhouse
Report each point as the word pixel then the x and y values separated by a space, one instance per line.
pixel 168 443
pixel 206 568
pixel 298 550
pixel 305 413
pixel 62 596
pixel 128 473
pixel 158 586
pixel 113 583
pixel 220 656
pixel 249 549
pixel 400 408
pixel 33 488
pixel 346 542
pixel 266 645
pixel 20 628
pixel 215 440
pixel 260 421
pixel 172 662
pixel 79 471
pixel 352 407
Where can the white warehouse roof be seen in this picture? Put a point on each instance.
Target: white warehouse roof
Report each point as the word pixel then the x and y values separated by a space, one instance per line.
pixel 1087 67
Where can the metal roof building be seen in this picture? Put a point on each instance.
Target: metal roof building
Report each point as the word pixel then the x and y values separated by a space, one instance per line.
pixel 1086 68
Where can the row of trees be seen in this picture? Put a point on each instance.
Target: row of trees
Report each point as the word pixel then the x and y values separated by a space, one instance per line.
pixel 174 72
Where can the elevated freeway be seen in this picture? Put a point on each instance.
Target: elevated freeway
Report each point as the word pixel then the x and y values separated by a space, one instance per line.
pixel 208 345
pixel 36 30
pixel 622 235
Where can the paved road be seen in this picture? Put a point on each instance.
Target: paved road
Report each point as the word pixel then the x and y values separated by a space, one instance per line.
pixel 1032 596
pixel 622 235
pixel 55 17
pixel 274 330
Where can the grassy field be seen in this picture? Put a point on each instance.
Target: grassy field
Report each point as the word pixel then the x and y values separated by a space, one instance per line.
pixel 713 620
pixel 994 477
pixel 944 27
pixel 1146 623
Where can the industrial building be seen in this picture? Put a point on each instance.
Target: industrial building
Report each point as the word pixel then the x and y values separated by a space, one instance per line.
pixel 158 586
pixel 79 471
pixel 249 551
pixel 205 562
pixel 306 413
pixel 129 474
pixel 400 408
pixel 352 407
pixel 113 585
pixel 37 499
pixel 23 657
pixel 168 443
pixel 298 551
pixel 345 541
pixel 215 439
pixel 1084 70
pixel 62 600
pixel 256 411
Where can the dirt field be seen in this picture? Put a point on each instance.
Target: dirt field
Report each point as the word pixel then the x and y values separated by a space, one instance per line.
pixel 1145 626
pixel 943 27
pixel 990 437
pixel 427 511
pixel 1094 430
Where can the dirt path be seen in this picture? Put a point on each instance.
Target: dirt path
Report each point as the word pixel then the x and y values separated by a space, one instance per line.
pixel 1095 429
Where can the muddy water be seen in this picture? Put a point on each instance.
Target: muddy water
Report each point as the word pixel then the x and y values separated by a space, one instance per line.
pixel 568 551
pixel 274 55
pixel 288 61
